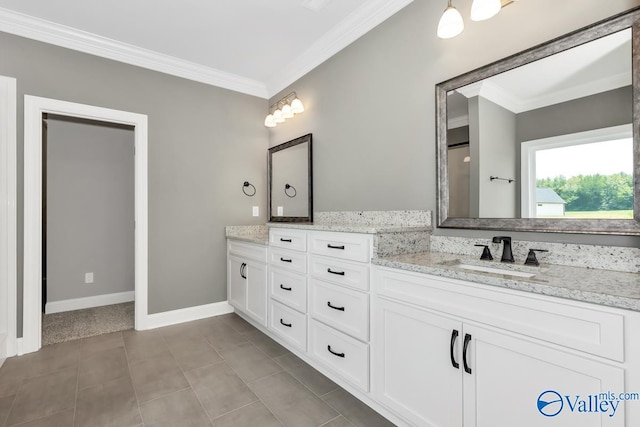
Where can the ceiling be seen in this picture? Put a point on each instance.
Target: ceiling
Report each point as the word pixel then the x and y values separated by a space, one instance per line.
pixel 251 46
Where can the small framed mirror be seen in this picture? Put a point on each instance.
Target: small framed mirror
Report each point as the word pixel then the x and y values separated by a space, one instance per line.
pixel 290 181
pixel 547 139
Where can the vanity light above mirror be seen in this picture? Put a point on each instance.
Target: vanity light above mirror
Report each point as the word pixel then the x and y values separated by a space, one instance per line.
pixel 451 23
pixel 284 109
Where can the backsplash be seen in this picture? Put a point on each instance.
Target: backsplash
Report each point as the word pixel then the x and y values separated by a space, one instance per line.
pixel 587 256
pixel 397 218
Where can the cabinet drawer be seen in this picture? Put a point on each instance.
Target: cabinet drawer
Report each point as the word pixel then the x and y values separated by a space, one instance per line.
pixel 288 288
pixel 288 324
pixel 346 356
pixel 345 309
pixel 580 326
pixel 355 275
pixel 340 245
pixel 290 260
pixel 247 250
pixel 288 239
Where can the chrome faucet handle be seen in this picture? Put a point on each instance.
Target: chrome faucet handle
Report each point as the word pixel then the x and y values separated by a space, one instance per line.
pixel 486 253
pixel 531 257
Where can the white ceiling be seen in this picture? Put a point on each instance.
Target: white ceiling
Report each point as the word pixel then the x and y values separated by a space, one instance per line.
pixel 252 46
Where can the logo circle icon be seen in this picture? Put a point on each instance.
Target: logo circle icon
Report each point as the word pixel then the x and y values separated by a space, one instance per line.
pixel 550 403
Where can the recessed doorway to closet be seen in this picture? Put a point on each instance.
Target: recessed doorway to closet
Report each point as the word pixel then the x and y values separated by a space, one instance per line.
pixel 88 208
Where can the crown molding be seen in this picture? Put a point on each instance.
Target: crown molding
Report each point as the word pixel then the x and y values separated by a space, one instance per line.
pixel 60 35
pixel 354 26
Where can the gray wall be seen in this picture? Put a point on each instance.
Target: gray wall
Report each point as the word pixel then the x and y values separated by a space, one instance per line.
pixel 371 107
pixel 204 142
pixel 90 209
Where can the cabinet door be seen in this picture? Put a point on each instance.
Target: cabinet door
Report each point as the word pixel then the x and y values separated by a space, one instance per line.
pixel 509 377
pixel 257 291
pixel 237 284
pixel 413 364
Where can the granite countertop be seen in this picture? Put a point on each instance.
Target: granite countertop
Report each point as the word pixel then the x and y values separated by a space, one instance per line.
pixel 348 227
pixel 248 233
pixel 604 287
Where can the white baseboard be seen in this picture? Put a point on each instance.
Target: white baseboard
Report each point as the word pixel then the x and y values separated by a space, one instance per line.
pixel 19 347
pixel 188 314
pixel 88 302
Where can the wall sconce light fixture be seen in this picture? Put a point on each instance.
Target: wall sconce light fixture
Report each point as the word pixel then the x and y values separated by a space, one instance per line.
pixel 284 109
pixel 451 23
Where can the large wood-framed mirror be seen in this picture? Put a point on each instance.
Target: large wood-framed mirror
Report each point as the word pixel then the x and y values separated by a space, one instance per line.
pixel 547 139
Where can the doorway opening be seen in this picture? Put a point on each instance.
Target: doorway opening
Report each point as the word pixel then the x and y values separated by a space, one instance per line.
pixel 35 257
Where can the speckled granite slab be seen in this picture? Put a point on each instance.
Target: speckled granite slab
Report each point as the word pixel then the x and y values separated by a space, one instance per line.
pixel 411 218
pixel 604 287
pixel 587 256
pixel 248 233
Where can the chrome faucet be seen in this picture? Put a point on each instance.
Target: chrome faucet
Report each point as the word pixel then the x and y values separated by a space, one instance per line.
pixel 507 255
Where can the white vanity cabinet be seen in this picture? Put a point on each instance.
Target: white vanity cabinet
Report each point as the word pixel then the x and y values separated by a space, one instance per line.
pixel 450 353
pixel 247 279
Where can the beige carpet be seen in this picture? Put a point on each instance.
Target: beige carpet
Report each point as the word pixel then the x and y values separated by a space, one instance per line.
pixel 71 325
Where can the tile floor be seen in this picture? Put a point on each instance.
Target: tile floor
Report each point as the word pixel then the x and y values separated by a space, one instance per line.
pixel 219 372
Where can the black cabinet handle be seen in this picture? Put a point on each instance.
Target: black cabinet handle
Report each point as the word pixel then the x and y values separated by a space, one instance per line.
pixel 288 325
pixel 454 336
pixel 334 353
pixel 242 269
pixel 334 307
pixel 330 246
pixel 282 287
pixel 339 273
pixel 285 240
pixel 465 346
pixel 285 260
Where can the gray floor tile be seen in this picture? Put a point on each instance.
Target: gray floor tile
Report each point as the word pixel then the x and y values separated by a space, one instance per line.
pixel 188 330
pixel 44 395
pixel 102 367
pixel 10 387
pixel 238 323
pixel 249 362
pixel 338 422
pixel 157 376
pixel 219 389
pixel 266 344
pixel 101 343
pixel 178 409
pixel 303 372
pixel 193 353
pixel 5 406
pixel 143 345
pixel 354 410
pixel 291 402
pixel 112 403
pixel 221 336
pixel 56 357
pixel 252 415
pixel 16 368
pixel 60 419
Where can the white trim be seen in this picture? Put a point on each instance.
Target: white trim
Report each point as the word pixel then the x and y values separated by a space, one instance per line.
pixel 8 214
pixel 188 314
pixel 19 346
pixel 88 302
pixel 61 35
pixel 528 157
pixel 34 107
pixel 354 26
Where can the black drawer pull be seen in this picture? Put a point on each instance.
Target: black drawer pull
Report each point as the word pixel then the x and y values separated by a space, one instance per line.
pixel 282 287
pixel 339 273
pixel 288 325
pixel 465 347
pixel 330 246
pixel 285 240
pixel 242 269
pixel 454 336
pixel 334 353
pixel 285 260
pixel 334 307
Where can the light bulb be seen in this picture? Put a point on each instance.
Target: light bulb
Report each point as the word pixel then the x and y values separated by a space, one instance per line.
pixel 296 106
pixel 277 116
pixel 451 23
pixel 286 111
pixel 269 122
pixel 484 9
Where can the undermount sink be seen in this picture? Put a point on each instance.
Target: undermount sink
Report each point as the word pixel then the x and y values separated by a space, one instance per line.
pixel 494 270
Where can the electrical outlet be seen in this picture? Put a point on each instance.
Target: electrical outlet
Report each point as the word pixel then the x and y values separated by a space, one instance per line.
pixel 280 211
pixel 256 211
pixel 88 278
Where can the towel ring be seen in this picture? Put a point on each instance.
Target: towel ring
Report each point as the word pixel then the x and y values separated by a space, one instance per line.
pixel 244 188
pixel 287 187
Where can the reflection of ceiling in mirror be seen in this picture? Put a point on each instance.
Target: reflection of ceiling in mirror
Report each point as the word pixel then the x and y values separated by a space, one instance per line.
pixel 598 66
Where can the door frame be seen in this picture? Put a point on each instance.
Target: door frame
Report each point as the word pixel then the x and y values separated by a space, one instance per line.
pixel 34 108
pixel 8 213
